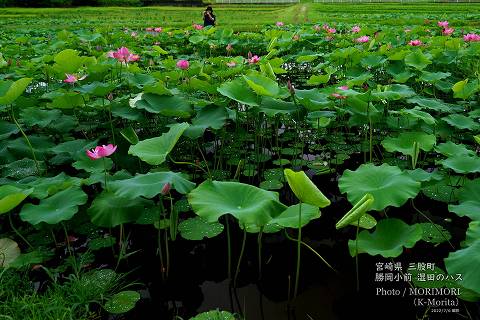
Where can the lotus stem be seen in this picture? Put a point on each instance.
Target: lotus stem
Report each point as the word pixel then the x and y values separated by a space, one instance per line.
pixel 313 250
pixel 26 139
pixel 299 242
pixel 17 232
pixel 105 171
pixel 167 254
pixel 241 256
pixel 229 249
pixel 204 160
pixel 259 241
pixel 356 256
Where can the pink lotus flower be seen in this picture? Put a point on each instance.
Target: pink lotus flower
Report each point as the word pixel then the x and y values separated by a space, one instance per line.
pixel 356 29
pixel 158 29
pixel 415 43
pixel 148 29
pixel 166 188
pixel 443 24
pixel 123 55
pixel 101 151
pixel 325 27
pixel 254 59
pixel 183 64
pixel 471 37
pixel 331 30
pixel 72 78
pixel 338 96
pixel 447 31
pixel 296 37
pixel 407 30
pixel 229 47
pixel 317 27
pixel 343 88
pixel 231 64
pixel 363 39
pixel 279 24
pixel 133 34
pixel 197 26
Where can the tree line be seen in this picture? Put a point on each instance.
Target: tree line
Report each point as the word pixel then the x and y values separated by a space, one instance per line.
pixel 77 3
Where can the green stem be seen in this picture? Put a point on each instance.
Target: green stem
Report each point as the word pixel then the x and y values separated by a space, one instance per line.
pixel 28 141
pixel 259 241
pixel 313 250
pixel 70 251
pixel 167 254
pixel 229 249
pixel 299 242
pixel 190 163
pixel 105 171
pixel 18 233
pixel 204 160
pixel 356 256
pixel 241 256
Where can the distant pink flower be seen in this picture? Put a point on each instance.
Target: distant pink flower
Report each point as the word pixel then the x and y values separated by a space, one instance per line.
pixel 338 96
pixel 229 47
pixel 101 151
pixel 443 24
pixel 407 30
pixel 183 64
pixel 197 26
pixel 72 78
pixel 325 27
pixel 296 37
pixel 231 64
pixel 363 39
pixel 317 27
pixel 149 29
pixel 471 37
pixel 447 31
pixel 166 188
pixel 158 29
pixel 254 59
pixel 133 34
pixel 328 38
pixel 331 30
pixel 123 55
pixel 415 43
pixel 356 29
pixel 279 24
pixel 343 87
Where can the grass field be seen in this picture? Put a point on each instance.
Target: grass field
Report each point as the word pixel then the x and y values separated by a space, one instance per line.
pixel 238 17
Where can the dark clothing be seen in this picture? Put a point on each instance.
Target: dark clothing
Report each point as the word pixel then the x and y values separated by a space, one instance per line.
pixel 208 18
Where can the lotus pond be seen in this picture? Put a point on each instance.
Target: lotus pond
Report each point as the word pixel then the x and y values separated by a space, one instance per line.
pixel 303 171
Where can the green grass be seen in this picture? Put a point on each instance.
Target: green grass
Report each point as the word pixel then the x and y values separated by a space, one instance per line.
pixel 238 17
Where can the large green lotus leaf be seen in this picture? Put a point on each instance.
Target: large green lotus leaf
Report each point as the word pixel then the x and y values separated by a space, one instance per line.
pixel 238 90
pixel 366 222
pixel 441 190
pixel 313 99
pixel 417 59
pixel 122 302
pixel 304 189
pixel 10 91
pixel 214 315
pixel 434 76
pixel 198 228
pixel 96 88
pixel 89 165
pixel 465 262
pixel 393 92
pixel 419 114
pixel 434 233
pixel 404 142
pixel 431 104
pixel 39 117
pixel 11 196
pixel 421 175
pixel 469 197
pixel 21 168
pixel 464 89
pixel 264 86
pixel 45 186
pixel 59 207
pixel 9 251
pixel 461 122
pixel 388 185
pixel 154 151
pixel 7 129
pixel 74 148
pixel 473 233
pixel 108 210
pixel 211 116
pixel 451 149
pixel 289 217
pixel 388 239
pixel 249 204
pixel 271 107
pixel 67 100
pixel 169 106
pixel 140 80
pixel 150 184
pixel 462 164
pixel 68 61
pixel 356 213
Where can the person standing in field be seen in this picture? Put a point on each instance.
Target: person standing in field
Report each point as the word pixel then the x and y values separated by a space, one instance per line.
pixel 208 17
